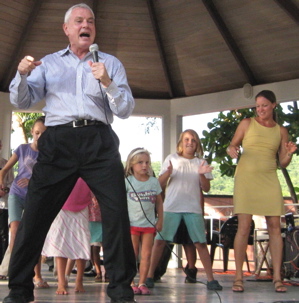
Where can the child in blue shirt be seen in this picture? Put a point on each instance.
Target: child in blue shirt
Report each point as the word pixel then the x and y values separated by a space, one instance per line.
pixel 144 202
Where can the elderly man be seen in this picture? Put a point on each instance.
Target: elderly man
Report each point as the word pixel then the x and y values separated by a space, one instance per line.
pixel 81 98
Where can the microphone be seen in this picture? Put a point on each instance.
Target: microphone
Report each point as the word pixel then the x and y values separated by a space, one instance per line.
pixel 94 50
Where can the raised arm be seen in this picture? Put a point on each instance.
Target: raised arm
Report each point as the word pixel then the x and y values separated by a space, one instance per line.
pixel 234 148
pixel 21 95
pixel 204 181
pixel 10 163
pixel 286 149
pixel 116 86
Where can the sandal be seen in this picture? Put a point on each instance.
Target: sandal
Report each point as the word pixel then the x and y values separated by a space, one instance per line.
pixel 136 290
pixel 41 284
pixel 279 287
pixel 144 290
pixel 238 286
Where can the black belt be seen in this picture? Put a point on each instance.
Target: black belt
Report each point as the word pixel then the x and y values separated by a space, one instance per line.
pixel 82 123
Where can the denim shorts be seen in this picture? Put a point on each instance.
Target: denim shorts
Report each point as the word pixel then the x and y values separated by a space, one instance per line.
pixel 15 207
pixel 194 223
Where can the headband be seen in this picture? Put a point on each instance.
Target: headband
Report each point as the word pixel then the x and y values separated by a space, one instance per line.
pixel 139 151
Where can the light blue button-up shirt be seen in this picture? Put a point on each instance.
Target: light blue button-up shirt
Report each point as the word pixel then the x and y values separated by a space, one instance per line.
pixel 71 91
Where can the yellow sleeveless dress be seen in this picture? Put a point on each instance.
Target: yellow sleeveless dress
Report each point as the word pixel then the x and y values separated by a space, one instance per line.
pixel 257 190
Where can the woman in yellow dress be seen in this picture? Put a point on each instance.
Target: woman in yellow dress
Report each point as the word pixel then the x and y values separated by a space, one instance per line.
pixel 257 189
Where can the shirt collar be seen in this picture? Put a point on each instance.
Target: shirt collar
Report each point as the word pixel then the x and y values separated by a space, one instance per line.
pixel 68 50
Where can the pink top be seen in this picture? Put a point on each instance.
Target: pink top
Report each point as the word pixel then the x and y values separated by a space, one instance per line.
pixel 79 198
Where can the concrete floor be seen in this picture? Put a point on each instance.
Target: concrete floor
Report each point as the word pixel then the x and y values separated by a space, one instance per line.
pixel 171 289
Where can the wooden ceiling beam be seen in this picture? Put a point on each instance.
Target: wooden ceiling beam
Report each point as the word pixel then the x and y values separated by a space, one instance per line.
pixel 94 8
pixel 161 50
pixel 291 8
pixel 231 43
pixel 15 56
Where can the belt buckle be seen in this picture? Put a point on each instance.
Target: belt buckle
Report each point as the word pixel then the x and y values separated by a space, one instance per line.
pixel 79 123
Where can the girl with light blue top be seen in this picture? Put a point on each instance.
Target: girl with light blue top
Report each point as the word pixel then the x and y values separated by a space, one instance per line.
pixel 144 203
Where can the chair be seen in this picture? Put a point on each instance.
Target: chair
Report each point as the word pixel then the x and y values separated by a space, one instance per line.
pixel 225 240
pixel 211 229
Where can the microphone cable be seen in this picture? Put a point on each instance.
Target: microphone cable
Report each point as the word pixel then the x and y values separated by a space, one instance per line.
pixel 166 243
pixel 145 215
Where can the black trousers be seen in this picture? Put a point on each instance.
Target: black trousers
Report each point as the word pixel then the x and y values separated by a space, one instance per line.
pixel 66 153
pixel 3 232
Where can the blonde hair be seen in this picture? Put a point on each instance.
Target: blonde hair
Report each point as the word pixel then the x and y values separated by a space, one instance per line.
pixel 133 158
pixel 199 150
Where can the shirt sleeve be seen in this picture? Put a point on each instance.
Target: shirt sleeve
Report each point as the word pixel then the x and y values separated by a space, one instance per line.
pixel 25 91
pixel 119 94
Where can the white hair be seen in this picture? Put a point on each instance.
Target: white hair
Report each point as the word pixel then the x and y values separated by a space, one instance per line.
pixel 69 11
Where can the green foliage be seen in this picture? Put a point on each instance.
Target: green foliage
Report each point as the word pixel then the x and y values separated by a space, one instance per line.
pixel 224 185
pixel 221 184
pixel 290 120
pixel 222 129
pixel 156 166
pixel 217 139
pixel 294 176
pixel 26 121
